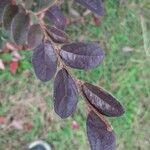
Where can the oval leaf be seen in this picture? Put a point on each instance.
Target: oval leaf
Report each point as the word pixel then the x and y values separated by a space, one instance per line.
pixel 19 28
pixel 65 94
pixel 57 35
pixel 95 6
pixel 103 101
pixel 56 16
pixel 82 55
pixel 35 36
pixel 9 13
pixel 44 62
pixel 98 135
pixel 3 3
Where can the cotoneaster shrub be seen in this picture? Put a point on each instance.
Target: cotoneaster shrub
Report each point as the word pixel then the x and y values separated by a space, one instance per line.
pixel 51 47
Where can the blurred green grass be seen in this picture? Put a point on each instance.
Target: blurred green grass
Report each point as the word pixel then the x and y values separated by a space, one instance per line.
pixel 124 73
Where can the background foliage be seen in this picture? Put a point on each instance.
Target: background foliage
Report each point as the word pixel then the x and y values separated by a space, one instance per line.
pixel 124 35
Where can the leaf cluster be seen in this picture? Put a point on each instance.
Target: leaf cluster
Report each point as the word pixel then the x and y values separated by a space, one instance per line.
pixel 52 48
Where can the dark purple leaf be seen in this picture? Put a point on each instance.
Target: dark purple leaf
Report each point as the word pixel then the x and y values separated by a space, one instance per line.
pixel 44 61
pixel 82 55
pixel 57 35
pixel 3 4
pixel 56 16
pixel 95 6
pixel 19 28
pixel 65 94
pixel 35 36
pixel 103 101
pixel 9 12
pixel 98 135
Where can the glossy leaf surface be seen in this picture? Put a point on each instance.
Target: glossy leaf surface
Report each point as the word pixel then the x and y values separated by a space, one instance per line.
pixel 65 94
pixel 44 62
pixel 56 16
pixel 19 28
pixel 3 4
pixel 98 135
pixel 103 101
pixel 57 35
pixel 81 55
pixel 8 15
pixel 95 6
pixel 35 36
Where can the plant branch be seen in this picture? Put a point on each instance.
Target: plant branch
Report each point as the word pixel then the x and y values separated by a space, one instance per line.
pixel 78 82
